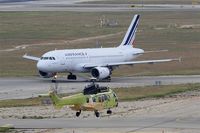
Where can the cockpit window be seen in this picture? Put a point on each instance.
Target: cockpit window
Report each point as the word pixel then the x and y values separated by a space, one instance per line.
pixel 48 58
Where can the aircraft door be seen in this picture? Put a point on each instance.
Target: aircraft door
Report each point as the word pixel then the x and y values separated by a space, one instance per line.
pixel 106 101
pixel 62 61
pixel 66 62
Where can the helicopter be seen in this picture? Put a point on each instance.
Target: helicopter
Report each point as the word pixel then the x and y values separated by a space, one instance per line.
pixel 93 98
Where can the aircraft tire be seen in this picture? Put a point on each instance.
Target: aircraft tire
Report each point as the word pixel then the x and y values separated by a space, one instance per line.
pixel 78 114
pixel 97 114
pixel 53 80
pixel 72 77
pixel 109 112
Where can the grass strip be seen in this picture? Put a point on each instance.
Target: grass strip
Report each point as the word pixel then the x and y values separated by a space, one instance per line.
pixel 21 102
pixel 136 93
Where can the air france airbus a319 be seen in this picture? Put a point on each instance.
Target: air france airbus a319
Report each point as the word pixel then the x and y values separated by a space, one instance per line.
pixel 100 62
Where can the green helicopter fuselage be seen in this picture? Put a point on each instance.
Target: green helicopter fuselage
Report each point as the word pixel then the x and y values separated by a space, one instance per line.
pixel 86 102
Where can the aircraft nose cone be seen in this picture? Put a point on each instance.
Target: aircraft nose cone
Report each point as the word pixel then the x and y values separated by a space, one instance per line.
pixel 41 66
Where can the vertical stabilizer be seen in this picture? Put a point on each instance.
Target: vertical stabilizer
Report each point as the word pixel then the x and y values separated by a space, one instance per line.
pixel 131 32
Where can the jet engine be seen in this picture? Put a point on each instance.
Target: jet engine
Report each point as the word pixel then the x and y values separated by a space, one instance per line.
pixel 46 75
pixel 100 72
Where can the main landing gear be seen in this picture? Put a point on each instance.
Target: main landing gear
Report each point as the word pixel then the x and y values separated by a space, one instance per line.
pixel 97 114
pixel 71 77
pixel 78 113
pixel 109 112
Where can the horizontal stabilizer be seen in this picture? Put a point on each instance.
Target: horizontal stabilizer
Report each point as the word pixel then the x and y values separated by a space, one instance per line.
pixel 156 51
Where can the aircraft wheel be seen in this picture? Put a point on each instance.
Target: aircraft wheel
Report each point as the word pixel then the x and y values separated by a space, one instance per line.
pixel 53 80
pixel 72 77
pixel 97 113
pixel 109 112
pixel 78 114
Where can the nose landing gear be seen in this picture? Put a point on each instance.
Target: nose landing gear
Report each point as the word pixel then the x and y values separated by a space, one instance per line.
pixel 71 77
pixel 54 79
pixel 109 112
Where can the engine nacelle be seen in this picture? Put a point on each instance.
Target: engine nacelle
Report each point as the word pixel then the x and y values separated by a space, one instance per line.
pixel 100 72
pixel 46 75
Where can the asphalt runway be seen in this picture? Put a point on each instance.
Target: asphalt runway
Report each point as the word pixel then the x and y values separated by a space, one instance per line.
pixel 135 123
pixel 75 5
pixel 15 88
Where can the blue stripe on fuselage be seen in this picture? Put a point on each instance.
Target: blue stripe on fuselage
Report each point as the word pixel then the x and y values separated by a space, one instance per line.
pixel 131 32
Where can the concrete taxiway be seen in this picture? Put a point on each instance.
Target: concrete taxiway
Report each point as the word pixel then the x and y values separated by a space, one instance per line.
pixel 14 88
pixel 182 114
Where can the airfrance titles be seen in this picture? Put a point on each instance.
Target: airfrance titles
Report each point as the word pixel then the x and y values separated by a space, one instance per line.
pixel 76 54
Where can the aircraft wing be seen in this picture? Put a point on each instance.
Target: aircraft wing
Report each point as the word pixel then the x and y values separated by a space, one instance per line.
pixel 31 57
pixel 131 63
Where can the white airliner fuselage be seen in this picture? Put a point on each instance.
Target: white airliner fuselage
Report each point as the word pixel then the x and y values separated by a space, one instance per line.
pixel 100 62
pixel 74 60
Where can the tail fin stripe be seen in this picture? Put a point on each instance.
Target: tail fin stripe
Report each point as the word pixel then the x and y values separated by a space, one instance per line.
pixel 132 31
pixel 132 35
